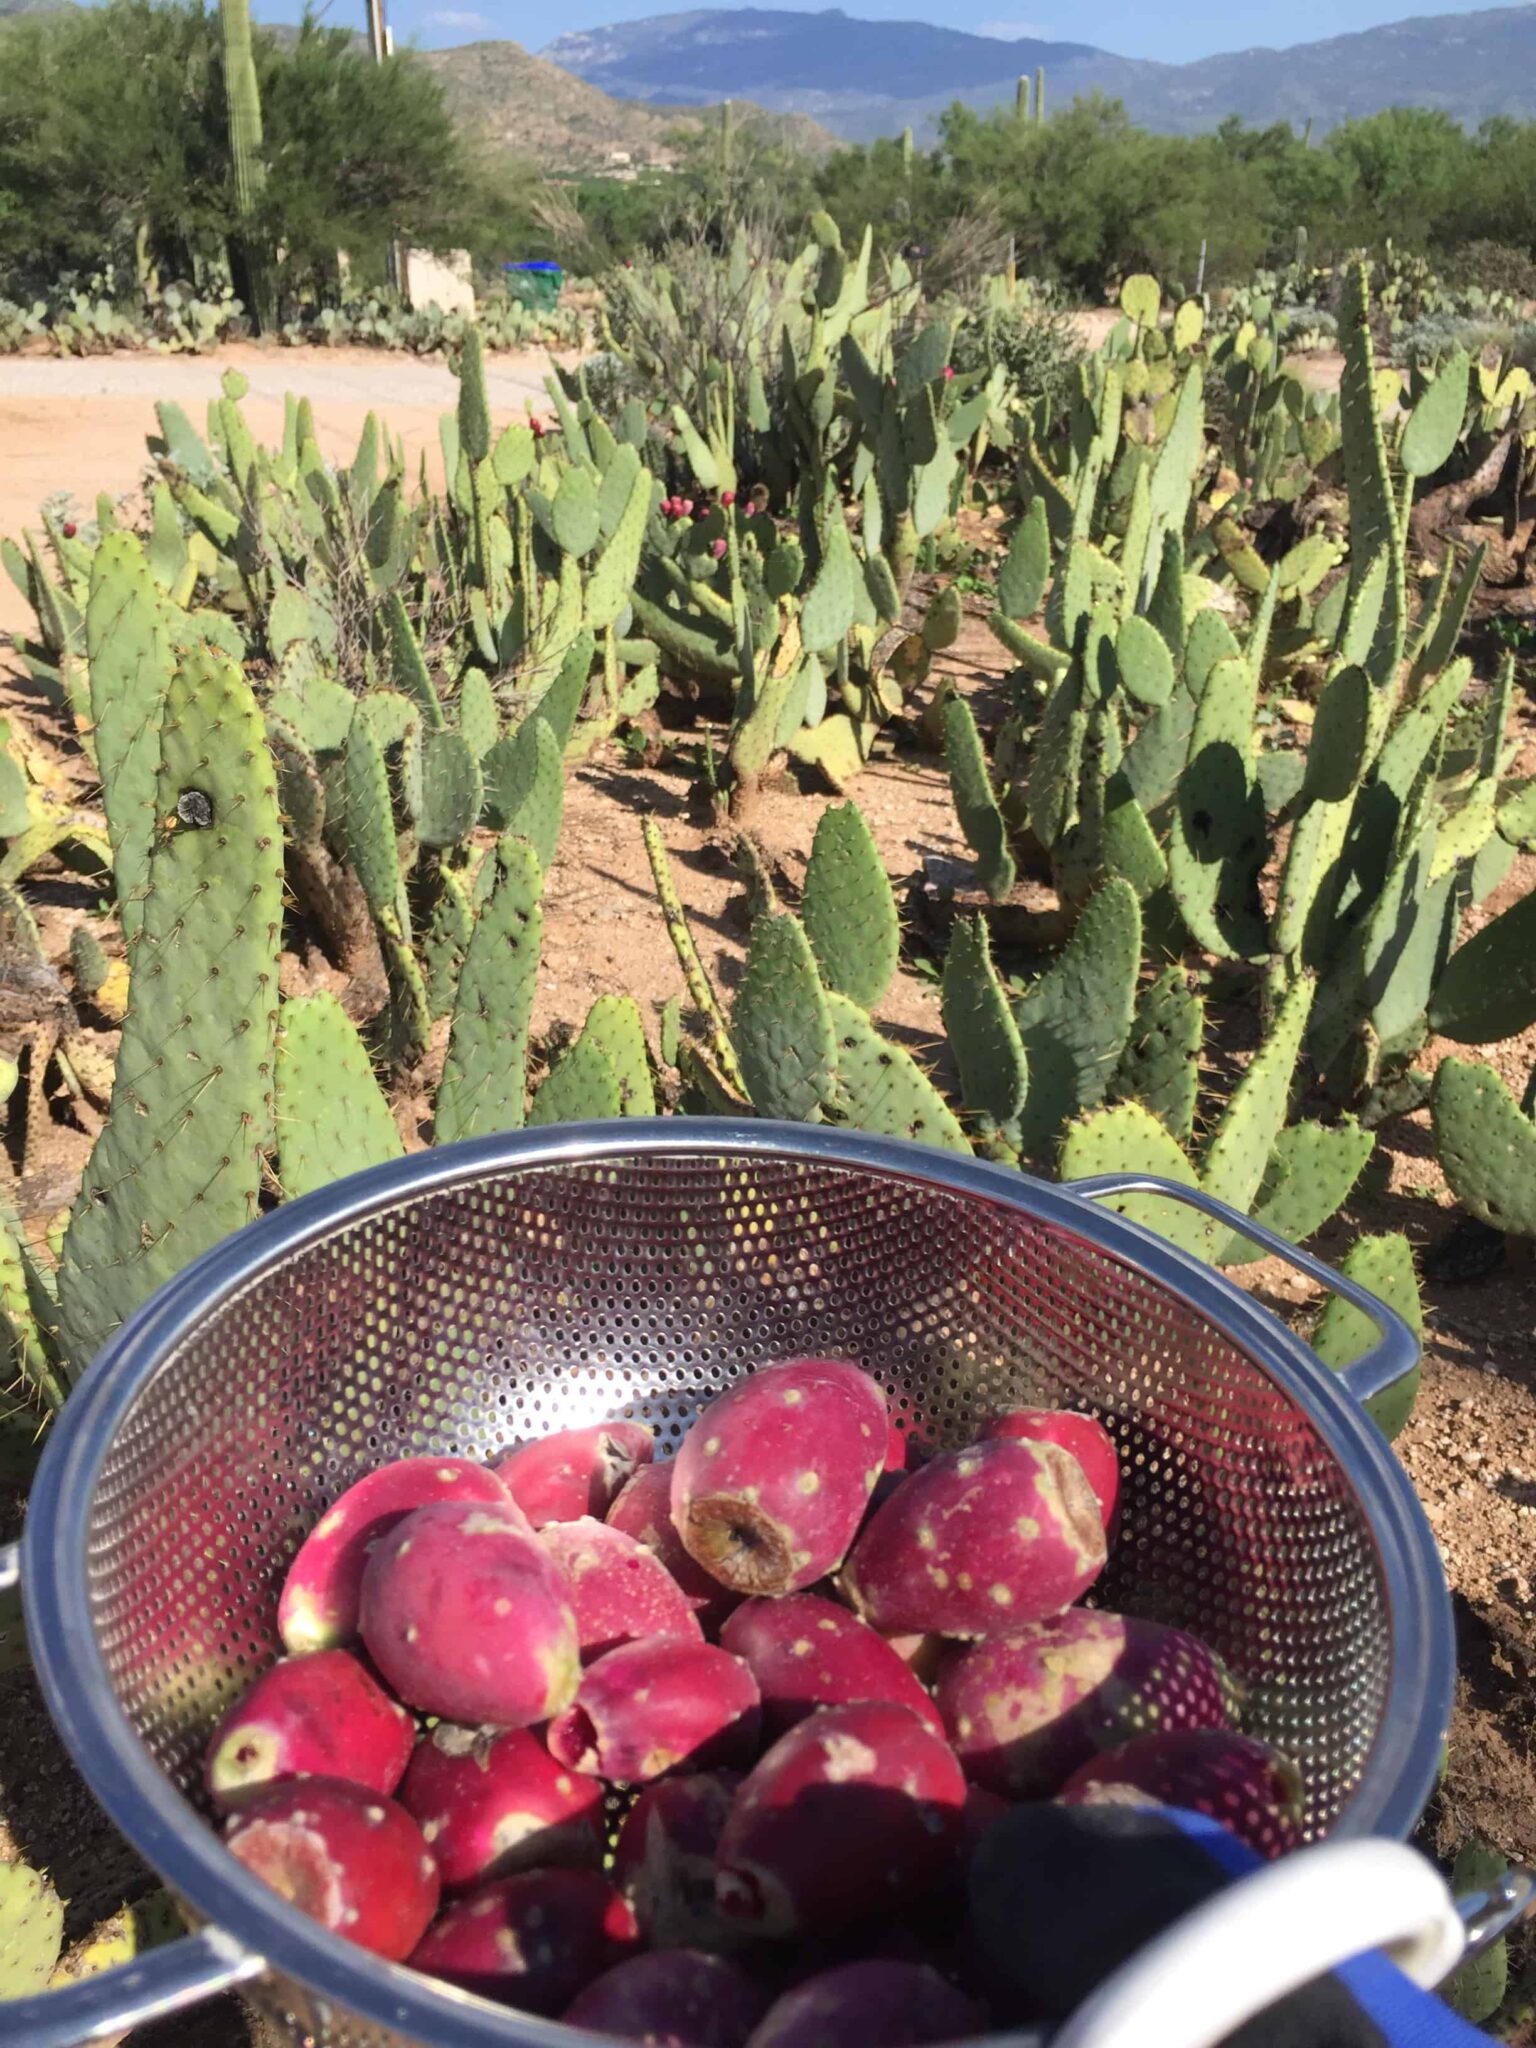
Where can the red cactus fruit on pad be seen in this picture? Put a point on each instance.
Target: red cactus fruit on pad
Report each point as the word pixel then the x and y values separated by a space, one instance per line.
pixel 351 1859
pixel 492 1802
pixel 978 1540
pixel 853 1814
pixel 664 1858
pixel 662 1704
pixel 309 1717
pixel 1236 1779
pixel 620 1590
pixel 644 1510
pixel 575 1472
pixel 532 1941
pixel 319 1605
pixel 672 1998
pixel 1083 1435
pixel 875 2004
pixel 806 1652
pixel 771 1483
pixel 466 1616
pixel 1027 1709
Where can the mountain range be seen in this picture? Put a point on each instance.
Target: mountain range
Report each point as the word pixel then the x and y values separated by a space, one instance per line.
pixel 867 78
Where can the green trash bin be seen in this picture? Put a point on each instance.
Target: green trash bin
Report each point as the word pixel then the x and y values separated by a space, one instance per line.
pixel 535 285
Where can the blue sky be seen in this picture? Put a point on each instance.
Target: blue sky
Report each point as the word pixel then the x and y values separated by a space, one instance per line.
pixel 1174 31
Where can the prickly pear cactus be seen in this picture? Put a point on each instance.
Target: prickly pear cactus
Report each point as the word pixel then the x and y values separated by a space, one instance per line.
pixel 128 653
pixel 881 1088
pixel 1486 1144
pixel 1075 1020
pixel 1160 1065
pixel 580 1087
pixel 484 1079
pixel 979 1023
pixel 848 909
pixel 450 790
pixel 178 1165
pixel 781 1026
pixel 975 804
pixel 31 1931
pixel 332 1118
pixel 614 1023
pixel 1384 1265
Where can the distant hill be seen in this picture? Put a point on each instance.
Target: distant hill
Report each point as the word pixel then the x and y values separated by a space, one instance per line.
pixel 867 78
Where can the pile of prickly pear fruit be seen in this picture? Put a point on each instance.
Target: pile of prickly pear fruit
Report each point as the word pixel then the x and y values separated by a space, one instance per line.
pixel 815 1667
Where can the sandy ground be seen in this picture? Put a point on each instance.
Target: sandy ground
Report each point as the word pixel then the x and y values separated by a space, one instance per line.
pixel 79 424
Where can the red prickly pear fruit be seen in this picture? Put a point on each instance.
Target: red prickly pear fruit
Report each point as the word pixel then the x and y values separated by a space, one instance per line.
pixel 644 1510
pixel 663 1704
pixel 673 1998
pixel 1027 1709
pixel 852 1815
pixel 727 499
pixel 532 1941
pixel 877 2004
pixel 664 1859
pixel 981 1809
pixel 773 1479
pixel 309 1717
pixel 922 1655
pixel 717 549
pixel 349 1858
pixel 619 1589
pixel 467 1617
pixel 685 506
pixel 979 1539
pixel 69 529
pixel 806 1652
pixel 318 1608
pixel 1250 1788
pixel 1087 1439
pixel 575 1472
pixel 492 1803
pixel 949 373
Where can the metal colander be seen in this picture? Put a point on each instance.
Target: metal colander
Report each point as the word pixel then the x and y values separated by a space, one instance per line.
pixel 467 1298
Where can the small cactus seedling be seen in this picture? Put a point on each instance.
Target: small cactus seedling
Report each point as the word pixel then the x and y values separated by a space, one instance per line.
pixel 532 1941
pixel 349 1858
pixel 773 1479
pixel 467 1617
pixel 319 1716
pixel 490 1802
pixel 664 1703
pixel 575 1472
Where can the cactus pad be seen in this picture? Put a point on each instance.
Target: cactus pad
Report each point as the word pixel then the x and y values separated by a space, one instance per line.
pixel 1160 1067
pixel 1218 841
pixel 615 1024
pixel 994 1070
pixel 1488 989
pixel 332 1118
pixel 581 1087
pixel 127 644
pixel 1232 1168
pixel 1343 1334
pixel 1486 1145
pixel 1129 1139
pixel 1311 1169
pixel 1075 1021
pixel 525 786
pixel 980 819
pixel 848 910
pixel 484 1081
pixel 1026 567
pixel 881 1088
pixel 450 790
pixel 446 941
pixel 31 1931
pixel 781 1026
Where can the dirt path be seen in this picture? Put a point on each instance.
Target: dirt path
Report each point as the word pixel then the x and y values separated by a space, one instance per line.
pixel 79 424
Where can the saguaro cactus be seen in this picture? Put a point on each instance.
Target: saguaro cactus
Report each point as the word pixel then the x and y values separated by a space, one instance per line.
pixel 251 260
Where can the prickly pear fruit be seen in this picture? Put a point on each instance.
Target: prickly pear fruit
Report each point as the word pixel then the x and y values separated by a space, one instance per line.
pixel 644 1510
pixel 664 1859
pixel 467 1617
pixel 575 1472
pixel 673 1998
pixel 492 1803
pixel 772 1480
pixel 853 1814
pixel 1085 1437
pixel 806 1652
pixel 349 1858
pixel 318 1608
pixel 532 1941
pixel 877 2004
pixel 1250 1788
pixel 1027 1709
pixel 620 1590
pixel 977 1540
pixel 309 1717
pixel 662 1704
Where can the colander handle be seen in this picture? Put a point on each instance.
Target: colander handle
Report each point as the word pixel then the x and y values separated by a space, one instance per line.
pixel 1391 1358
pixel 1270 1934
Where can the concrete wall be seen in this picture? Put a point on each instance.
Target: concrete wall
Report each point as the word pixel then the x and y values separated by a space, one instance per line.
pixel 443 278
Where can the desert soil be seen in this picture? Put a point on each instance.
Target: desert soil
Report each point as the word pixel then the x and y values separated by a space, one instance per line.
pixel 1471 1446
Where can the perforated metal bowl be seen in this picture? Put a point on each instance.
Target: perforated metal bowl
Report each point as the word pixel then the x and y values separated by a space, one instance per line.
pixel 466 1298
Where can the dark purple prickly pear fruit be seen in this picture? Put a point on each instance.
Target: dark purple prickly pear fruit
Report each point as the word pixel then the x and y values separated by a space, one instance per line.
pixel 1026 1709
pixel 1087 1440
pixel 492 1803
pixel 319 1604
pixel 620 1590
pixel 877 2005
pixel 666 1703
pixel 852 1815
pixel 644 1510
pixel 806 1652
pixel 1250 1788
pixel 533 1941
pixel 351 1859
pixel 664 1859
pixel 978 1540
pixel 574 1472
pixel 321 1716
pixel 673 1998
pixel 773 1479
pixel 466 1616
